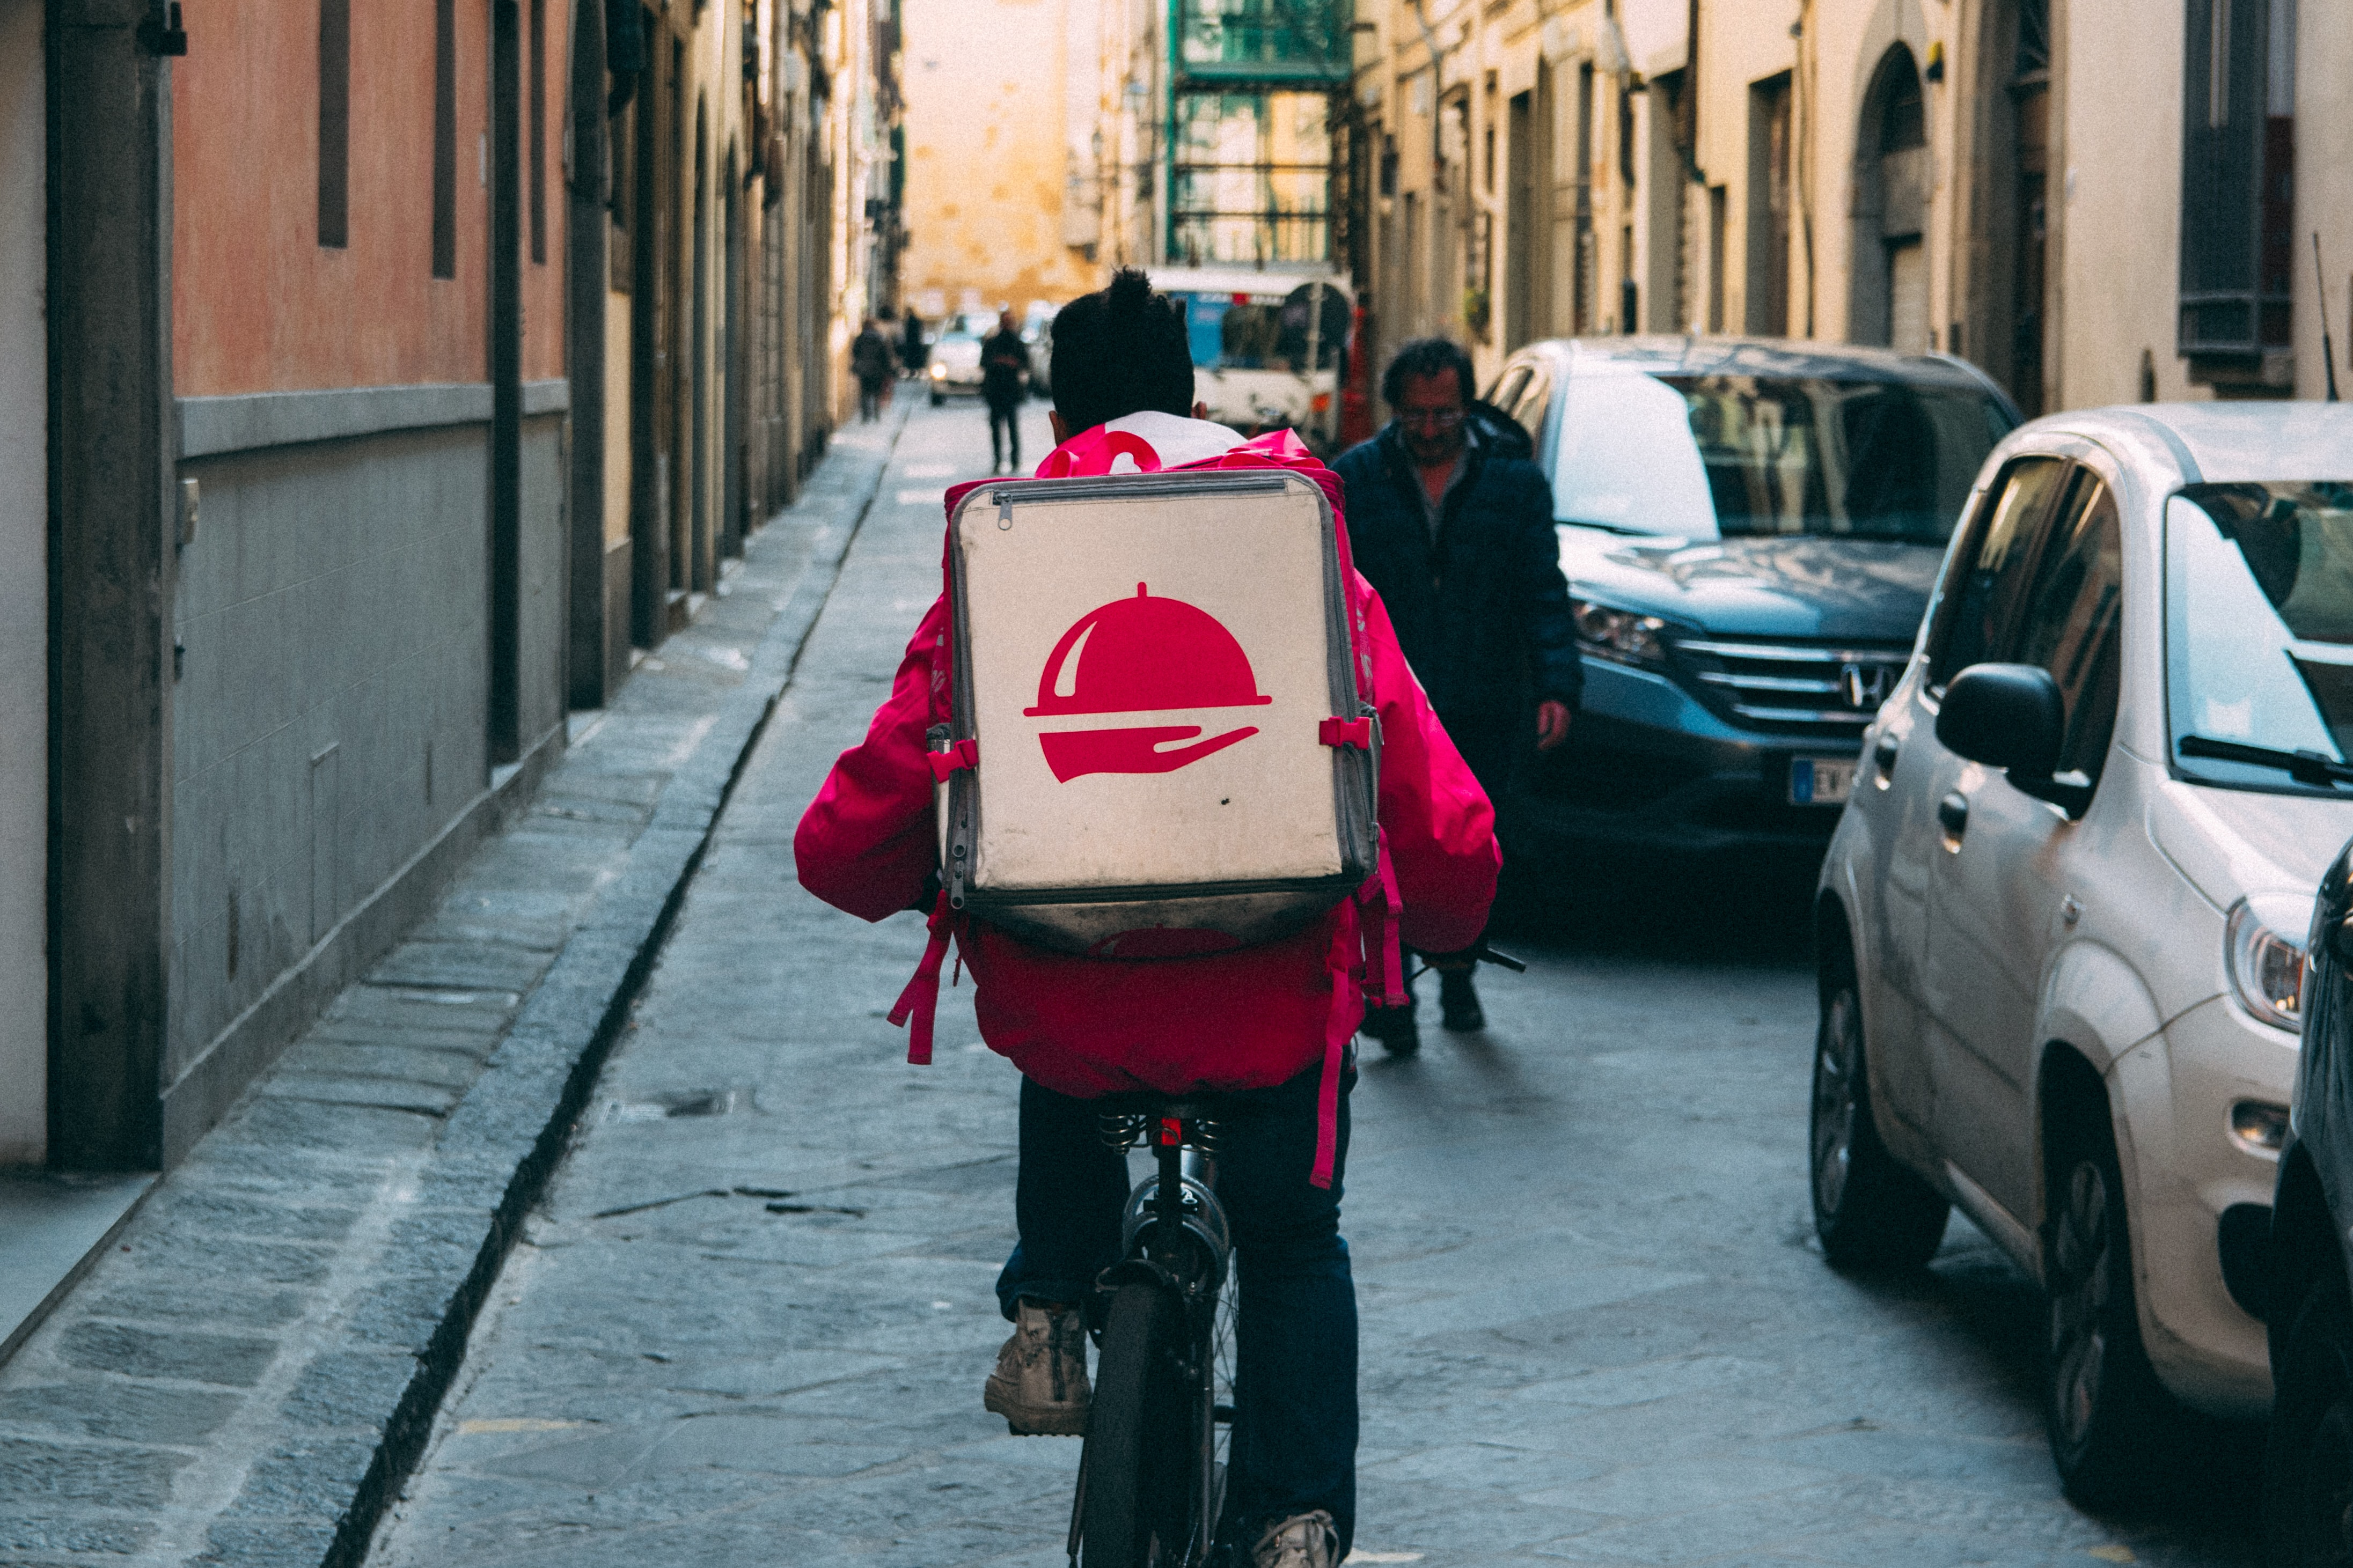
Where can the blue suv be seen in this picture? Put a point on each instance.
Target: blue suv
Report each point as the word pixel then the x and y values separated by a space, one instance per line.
pixel 1750 530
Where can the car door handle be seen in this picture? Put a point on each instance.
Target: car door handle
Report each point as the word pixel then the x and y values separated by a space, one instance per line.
pixel 1953 811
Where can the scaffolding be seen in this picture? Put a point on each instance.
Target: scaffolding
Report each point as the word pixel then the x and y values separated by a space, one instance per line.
pixel 1252 86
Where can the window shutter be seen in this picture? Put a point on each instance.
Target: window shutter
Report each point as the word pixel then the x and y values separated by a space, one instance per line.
pixel 2227 299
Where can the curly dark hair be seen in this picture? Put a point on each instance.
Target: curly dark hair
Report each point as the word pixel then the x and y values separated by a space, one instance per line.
pixel 1120 351
pixel 1428 356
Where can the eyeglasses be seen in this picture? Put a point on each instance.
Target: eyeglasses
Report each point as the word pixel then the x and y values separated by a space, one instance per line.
pixel 1432 418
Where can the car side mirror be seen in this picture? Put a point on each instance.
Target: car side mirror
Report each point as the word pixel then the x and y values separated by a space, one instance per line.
pixel 2005 716
pixel 2010 716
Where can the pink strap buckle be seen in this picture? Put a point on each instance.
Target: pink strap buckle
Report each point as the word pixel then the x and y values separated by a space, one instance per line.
pixel 955 758
pixel 1357 732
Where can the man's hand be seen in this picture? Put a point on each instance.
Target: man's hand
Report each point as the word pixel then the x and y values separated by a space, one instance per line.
pixel 1552 724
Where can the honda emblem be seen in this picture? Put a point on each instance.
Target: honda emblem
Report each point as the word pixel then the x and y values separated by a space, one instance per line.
pixel 1864 686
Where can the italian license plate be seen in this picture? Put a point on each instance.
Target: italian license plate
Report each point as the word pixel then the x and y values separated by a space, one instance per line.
pixel 1821 781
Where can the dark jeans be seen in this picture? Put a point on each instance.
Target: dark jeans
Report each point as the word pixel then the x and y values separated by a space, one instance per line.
pixel 1295 1436
pixel 1004 431
pixel 869 399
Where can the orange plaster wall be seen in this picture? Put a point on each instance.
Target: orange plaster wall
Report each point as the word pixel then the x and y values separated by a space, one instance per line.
pixel 257 304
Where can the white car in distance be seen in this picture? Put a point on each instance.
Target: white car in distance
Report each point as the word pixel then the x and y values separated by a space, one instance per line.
pixel 2062 924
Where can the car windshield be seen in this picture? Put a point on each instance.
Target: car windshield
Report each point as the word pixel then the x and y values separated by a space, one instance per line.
pixel 2259 631
pixel 1709 457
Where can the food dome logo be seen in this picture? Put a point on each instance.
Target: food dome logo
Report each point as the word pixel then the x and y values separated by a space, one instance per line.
pixel 1140 656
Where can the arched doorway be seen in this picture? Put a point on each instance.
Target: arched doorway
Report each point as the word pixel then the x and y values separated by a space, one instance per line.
pixel 1889 294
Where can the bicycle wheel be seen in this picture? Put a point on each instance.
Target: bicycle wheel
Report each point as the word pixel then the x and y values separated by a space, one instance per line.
pixel 1140 1459
pixel 1218 1397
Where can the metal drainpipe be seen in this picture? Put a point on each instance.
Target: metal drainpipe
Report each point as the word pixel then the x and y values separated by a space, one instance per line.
pixel 587 235
pixel 506 379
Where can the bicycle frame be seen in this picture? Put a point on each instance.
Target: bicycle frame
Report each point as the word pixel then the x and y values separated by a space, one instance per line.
pixel 1174 1236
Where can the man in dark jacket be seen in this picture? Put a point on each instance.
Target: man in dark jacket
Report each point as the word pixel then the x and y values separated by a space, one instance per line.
pixel 914 353
pixel 1004 384
pixel 1451 521
pixel 869 362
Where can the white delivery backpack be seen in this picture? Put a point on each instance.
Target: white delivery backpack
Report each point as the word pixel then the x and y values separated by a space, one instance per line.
pixel 1158 749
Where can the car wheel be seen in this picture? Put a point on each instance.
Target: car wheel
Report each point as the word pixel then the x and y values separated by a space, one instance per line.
pixel 2308 1454
pixel 2114 1430
pixel 939 399
pixel 1868 1210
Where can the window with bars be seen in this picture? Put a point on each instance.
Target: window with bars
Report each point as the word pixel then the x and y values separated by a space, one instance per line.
pixel 445 139
pixel 334 123
pixel 2238 178
pixel 536 152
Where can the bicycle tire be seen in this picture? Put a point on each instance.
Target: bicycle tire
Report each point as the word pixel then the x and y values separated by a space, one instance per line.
pixel 1138 1459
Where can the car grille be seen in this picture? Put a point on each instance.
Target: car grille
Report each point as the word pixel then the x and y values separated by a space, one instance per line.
pixel 1826 689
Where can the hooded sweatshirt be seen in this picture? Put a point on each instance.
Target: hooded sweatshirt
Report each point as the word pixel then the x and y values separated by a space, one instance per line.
pixel 1245 1018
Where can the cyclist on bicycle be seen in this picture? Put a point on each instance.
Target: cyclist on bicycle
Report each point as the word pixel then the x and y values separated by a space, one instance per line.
pixel 1258 1021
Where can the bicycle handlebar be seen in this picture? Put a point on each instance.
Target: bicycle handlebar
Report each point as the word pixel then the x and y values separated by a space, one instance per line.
pixel 1477 953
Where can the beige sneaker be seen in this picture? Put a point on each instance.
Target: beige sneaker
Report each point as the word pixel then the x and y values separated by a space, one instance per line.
pixel 1303 1540
pixel 1039 1386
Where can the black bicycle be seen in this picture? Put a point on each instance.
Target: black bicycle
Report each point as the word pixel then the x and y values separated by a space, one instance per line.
pixel 1152 1475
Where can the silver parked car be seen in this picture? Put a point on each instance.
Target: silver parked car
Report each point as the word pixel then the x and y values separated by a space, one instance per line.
pixel 2062 928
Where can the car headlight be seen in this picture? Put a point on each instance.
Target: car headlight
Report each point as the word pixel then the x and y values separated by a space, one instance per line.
pixel 1620 635
pixel 939 372
pixel 2263 947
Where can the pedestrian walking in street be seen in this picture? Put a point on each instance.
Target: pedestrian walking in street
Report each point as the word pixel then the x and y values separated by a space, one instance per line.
pixel 869 362
pixel 1004 386
pixel 1259 1023
pixel 1451 522
pixel 914 353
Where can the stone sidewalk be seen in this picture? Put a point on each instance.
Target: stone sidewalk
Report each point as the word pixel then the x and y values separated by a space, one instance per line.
pixel 250 1374
pixel 749 1323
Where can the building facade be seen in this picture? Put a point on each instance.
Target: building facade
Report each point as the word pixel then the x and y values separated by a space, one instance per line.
pixel 374 383
pixel 1003 101
pixel 2096 200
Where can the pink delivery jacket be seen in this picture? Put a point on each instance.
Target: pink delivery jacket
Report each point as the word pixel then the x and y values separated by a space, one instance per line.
pixel 1246 1018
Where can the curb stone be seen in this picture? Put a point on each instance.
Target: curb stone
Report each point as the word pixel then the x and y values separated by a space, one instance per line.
pixel 540 1080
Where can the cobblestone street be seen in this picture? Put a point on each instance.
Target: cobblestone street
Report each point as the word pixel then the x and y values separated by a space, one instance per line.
pixel 750 1323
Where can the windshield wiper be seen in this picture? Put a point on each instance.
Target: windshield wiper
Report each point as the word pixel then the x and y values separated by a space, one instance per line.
pixel 2304 768
pixel 1611 527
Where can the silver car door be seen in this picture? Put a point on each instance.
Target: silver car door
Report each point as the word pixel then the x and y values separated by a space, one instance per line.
pixel 1995 899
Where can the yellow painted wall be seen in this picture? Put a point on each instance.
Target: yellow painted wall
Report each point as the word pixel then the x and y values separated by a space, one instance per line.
pixel 987 134
pixel 618 453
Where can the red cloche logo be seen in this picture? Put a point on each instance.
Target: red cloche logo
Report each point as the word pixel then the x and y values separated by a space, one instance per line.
pixel 1134 656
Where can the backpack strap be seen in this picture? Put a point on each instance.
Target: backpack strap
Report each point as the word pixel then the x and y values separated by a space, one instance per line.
pixel 919 1005
pixel 1378 907
pixel 1339 1024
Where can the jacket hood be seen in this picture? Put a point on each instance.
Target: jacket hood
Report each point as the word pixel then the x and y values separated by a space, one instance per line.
pixel 1790 585
pixel 1500 431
